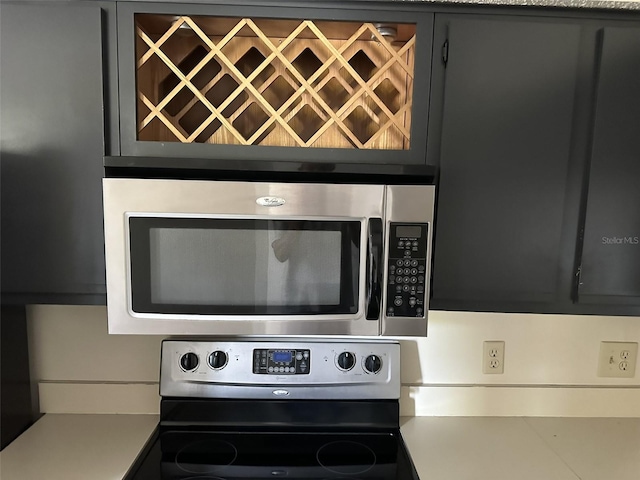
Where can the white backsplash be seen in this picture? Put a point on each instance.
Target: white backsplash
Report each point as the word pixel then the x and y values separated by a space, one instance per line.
pixel 550 365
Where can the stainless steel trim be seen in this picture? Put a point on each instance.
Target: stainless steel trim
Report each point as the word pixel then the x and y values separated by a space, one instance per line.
pixel 324 380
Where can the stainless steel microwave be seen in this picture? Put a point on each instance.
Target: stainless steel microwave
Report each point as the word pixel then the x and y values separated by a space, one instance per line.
pixel 251 258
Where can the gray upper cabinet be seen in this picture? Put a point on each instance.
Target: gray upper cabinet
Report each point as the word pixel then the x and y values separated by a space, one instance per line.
pixel 539 154
pixel 52 134
pixel 297 83
pixel 503 215
pixel 610 270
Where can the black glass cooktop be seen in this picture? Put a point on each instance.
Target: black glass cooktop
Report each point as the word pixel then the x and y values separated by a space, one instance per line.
pixel 182 455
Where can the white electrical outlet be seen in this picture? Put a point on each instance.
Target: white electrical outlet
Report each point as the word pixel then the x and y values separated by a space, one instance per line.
pixel 493 357
pixel 618 359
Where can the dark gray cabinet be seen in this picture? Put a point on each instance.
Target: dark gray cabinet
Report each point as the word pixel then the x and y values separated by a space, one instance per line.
pixel 539 154
pixel 610 270
pixel 52 132
pixel 281 82
pixel 15 385
pixel 509 98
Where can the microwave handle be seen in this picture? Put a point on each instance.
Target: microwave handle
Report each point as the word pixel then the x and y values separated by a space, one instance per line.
pixel 374 269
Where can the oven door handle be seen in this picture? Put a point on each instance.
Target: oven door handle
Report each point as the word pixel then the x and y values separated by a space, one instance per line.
pixel 374 269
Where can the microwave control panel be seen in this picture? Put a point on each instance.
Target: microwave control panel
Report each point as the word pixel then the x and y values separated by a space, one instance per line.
pixel 281 362
pixel 407 263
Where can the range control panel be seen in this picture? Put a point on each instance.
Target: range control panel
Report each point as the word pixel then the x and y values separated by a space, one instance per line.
pixel 280 368
pixel 406 269
pixel 281 362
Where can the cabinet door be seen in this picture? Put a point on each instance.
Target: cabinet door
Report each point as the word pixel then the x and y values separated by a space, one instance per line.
pixel 611 254
pixel 509 88
pixel 52 148
pixel 295 84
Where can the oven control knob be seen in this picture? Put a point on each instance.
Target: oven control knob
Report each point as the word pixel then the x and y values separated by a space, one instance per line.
pixel 217 359
pixel 189 361
pixel 346 361
pixel 372 364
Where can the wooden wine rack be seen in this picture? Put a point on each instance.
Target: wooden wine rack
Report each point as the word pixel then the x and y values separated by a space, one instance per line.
pixel 274 82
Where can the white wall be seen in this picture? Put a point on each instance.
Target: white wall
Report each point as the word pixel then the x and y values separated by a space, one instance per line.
pixel 550 365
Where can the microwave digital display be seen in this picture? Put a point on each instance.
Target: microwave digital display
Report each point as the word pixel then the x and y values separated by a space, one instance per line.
pixel 412 231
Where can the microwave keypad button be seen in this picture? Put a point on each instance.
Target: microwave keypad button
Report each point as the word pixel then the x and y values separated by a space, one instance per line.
pixel 407 262
pixel 418 310
pixel 405 288
pixel 399 288
pixel 397 302
pixel 414 263
pixel 414 271
pixel 406 279
pixel 299 356
pixel 412 301
pixel 414 279
pixel 421 278
pixel 415 243
pixel 392 278
pixel 399 262
pixel 400 244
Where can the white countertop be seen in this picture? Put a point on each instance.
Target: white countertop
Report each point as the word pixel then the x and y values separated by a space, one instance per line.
pixel 524 448
pixel 102 447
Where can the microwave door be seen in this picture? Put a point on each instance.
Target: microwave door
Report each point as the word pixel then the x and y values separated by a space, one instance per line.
pixel 206 257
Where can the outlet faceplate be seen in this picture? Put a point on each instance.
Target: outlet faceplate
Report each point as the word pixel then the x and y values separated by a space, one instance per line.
pixel 618 359
pixel 493 357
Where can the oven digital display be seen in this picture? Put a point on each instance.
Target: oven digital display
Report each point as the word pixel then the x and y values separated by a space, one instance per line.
pixel 282 357
pixel 281 362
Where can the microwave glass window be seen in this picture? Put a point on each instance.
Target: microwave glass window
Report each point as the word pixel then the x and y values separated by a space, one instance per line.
pixel 236 266
pixel 244 267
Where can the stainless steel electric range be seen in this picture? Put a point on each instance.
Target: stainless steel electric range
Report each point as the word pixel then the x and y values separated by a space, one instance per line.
pixel 290 408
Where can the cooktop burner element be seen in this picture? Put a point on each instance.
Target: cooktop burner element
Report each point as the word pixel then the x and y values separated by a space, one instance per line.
pixel 206 456
pixel 330 423
pixel 346 457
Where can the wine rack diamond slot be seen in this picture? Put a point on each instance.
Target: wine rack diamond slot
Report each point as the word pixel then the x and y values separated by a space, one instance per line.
pixel 297 83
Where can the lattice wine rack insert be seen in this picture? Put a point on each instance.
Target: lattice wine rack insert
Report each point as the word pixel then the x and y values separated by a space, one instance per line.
pixel 297 83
